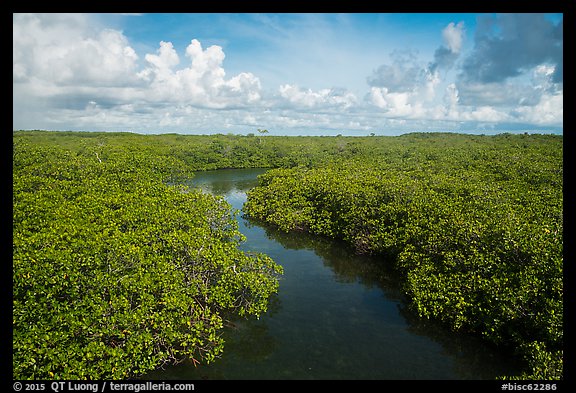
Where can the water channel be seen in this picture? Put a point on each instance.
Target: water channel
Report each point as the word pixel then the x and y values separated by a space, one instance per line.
pixel 337 316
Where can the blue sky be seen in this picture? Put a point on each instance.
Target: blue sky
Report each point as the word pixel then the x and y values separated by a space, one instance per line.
pixel 293 74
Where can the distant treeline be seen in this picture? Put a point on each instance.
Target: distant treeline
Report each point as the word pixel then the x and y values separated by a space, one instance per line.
pixel 207 152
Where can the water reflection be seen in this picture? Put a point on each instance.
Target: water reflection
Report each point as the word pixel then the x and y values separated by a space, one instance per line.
pixel 337 316
pixel 348 266
pixel 226 182
pixel 473 357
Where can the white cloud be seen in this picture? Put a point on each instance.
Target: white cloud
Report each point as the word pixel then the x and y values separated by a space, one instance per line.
pixel 45 49
pixel 409 105
pixel 483 114
pixel 67 65
pixel 19 72
pixel 70 73
pixel 201 83
pixel 548 111
pixel 506 45
pixel 166 57
pixel 453 35
pixel 451 100
pixel 408 90
pixel 519 91
pixel 404 74
pixel 168 120
pixel 446 55
pixel 415 103
pixel 323 98
pixel 209 60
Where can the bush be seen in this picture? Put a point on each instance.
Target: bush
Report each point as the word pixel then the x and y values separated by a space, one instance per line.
pixel 115 273
pixel 475 228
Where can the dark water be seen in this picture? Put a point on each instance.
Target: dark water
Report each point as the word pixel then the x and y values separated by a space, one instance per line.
pixel 337 316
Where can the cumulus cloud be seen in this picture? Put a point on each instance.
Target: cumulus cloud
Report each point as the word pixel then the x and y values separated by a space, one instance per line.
pixel 399 94
pixel 323 98
pixel 407 73
pixel 63 51
pixel 446 55
pixel 403 88
pixel 202 82
pixel 66 64
pixel 61 62
pixel 451 101
pixel 548 111
pixel 64 61
pixel 72 73
pixel 453 35
pixel 402 75
pixel 408 87
pixel 515 68
pixel 396 104
pixel 42 49
pixel 508 45
pixel 537 103
pixel 164 60
pixel 495 83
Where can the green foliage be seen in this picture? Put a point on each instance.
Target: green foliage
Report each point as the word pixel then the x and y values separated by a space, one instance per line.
pixel 115 272
pixel 202 152
pixel 474 223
